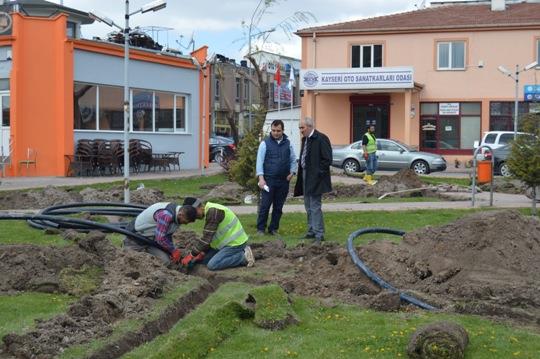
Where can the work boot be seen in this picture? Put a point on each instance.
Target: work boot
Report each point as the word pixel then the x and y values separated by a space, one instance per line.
pixel 248 254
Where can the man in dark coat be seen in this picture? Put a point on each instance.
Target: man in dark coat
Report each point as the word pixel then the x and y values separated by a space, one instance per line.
pixel 313 176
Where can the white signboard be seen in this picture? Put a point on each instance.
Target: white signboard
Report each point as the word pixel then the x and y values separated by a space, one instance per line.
pixel 449 108
pixel 357 78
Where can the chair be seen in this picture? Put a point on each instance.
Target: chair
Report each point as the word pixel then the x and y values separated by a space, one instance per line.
pixel 31 159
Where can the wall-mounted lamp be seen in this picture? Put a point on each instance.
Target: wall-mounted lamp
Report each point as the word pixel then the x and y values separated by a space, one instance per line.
pixel 412 113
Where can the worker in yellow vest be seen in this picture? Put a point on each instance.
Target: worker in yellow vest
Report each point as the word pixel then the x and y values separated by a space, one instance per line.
pixel 369 146
pixel 224 241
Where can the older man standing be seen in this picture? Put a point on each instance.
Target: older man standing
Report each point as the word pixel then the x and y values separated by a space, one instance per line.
pixel 314 176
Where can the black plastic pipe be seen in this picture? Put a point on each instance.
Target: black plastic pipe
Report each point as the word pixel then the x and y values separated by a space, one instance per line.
pixel 372 275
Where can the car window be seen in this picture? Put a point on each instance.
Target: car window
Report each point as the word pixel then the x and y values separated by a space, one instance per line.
pixel 490 138
pixel 389 146
pixel 356 146
pixel 506 138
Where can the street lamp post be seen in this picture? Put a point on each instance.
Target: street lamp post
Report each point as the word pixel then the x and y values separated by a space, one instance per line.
pixel 152 6
pixel 515 77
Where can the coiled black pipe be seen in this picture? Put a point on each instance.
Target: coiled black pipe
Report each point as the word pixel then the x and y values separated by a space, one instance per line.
pixel 50 218
pixel 372 275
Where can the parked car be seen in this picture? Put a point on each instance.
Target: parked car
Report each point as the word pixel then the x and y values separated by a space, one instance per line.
pixel 500 157
pixel 220 145
pixel 392 155
pixel 495 139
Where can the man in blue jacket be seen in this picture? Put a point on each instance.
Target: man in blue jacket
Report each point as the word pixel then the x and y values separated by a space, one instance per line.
pixel 276 165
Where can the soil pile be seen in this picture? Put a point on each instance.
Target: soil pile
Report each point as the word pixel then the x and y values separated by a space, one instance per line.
pixel 131 283
pixel 146 196
pixel 485 263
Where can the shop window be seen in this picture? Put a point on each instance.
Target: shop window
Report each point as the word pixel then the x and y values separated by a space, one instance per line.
pixel 501 115
pixel 366 56
pixel 180 113
pixel 111 109
pixel 84 107
pixel 143 104
pixel 449 127
pixel 451 55
pixel 164 107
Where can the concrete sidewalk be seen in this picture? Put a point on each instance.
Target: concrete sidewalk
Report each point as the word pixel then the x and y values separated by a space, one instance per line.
pixel 500 200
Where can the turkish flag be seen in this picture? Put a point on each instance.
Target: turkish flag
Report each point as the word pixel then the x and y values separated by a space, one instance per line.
pixel 277 76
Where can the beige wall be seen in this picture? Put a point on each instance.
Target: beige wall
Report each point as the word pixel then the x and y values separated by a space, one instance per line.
pixel 486 84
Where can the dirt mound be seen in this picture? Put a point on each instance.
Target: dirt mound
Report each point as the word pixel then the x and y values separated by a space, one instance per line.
pixel 489 261
pixel 226 193
pixel 131 282
pixel 42 198
pixel 146 196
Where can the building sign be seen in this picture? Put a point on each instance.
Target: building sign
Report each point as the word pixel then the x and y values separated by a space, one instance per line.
pixel 449 108
pixel 356 78
pixel 532 93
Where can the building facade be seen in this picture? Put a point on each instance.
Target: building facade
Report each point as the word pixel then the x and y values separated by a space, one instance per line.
pixel 428 78
pixel 57 89
pixel 235 90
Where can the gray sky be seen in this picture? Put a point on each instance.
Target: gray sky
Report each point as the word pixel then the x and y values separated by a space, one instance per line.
pixel 217 23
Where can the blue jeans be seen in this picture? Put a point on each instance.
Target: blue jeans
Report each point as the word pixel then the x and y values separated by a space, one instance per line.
pixel 276 198
pixel 371 163
pixel 227 257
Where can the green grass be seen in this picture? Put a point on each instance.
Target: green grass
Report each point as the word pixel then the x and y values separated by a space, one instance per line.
pixel 18 312
pixel 19 232
pixel 125 326
pixel 340 332
pixel 465 182
pixel 172 188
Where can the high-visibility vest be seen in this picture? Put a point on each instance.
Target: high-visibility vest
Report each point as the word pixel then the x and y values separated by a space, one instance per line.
pixel 145 224
pixel 372 143
pixel 230 232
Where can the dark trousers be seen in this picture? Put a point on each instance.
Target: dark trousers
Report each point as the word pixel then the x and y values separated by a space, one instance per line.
pixel 276 198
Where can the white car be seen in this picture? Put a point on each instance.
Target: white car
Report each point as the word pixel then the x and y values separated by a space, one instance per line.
pixel 496 139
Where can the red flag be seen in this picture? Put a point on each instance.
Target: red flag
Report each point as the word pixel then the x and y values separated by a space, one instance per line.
pixel 277 76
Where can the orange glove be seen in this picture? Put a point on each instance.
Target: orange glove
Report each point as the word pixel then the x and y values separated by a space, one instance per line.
pixel 176 256
pixel 190 260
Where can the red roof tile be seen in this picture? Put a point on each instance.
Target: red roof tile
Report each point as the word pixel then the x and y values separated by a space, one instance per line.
pixel 451 16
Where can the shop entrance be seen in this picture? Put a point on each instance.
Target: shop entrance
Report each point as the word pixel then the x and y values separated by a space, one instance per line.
pixel 367 114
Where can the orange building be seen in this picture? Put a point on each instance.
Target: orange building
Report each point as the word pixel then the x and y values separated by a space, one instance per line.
pixel 56 89
pixel 428 77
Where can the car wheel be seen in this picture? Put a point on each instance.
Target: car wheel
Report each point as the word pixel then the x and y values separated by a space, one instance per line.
pixel 420 167
pixel 218 157
pixel 504 170
pixel 351 166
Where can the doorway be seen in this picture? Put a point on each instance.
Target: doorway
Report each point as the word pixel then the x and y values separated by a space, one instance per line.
pixel 4 127
pixel 365 115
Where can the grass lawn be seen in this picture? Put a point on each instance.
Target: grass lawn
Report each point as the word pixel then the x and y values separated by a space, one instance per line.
pixel 19 232
pixel 342 331
pixel 18 312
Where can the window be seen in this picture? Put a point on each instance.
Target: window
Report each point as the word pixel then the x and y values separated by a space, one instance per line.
pixel 449 127
pixel 237 92
pixel 143 104
pixel 164 111
pixel 111 108
pixel 388 146
pixel 506 138
pixel 84 107
pixel 5 110
pixel 217 90
pixel 180 113
pixel 71 29
pixel 366 56
pixel 501 115
pixel 451 55
pixel 246 91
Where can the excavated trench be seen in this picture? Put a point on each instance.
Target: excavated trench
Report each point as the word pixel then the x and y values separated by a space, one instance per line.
pixel 484 263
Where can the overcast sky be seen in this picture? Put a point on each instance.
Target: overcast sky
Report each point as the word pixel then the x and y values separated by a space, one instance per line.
pixel 217 23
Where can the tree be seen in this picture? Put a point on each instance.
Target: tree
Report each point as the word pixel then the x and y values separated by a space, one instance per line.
pixel 524 159
pixel 243 169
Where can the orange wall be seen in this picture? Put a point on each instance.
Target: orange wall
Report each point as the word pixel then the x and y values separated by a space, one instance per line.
pixel 41 94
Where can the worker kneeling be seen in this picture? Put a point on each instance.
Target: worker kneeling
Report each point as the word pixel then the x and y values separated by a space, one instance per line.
pixel 158 223
pixel 223 243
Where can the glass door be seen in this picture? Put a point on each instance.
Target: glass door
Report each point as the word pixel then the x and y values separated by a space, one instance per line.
pixel 367 115
pixel 4 128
